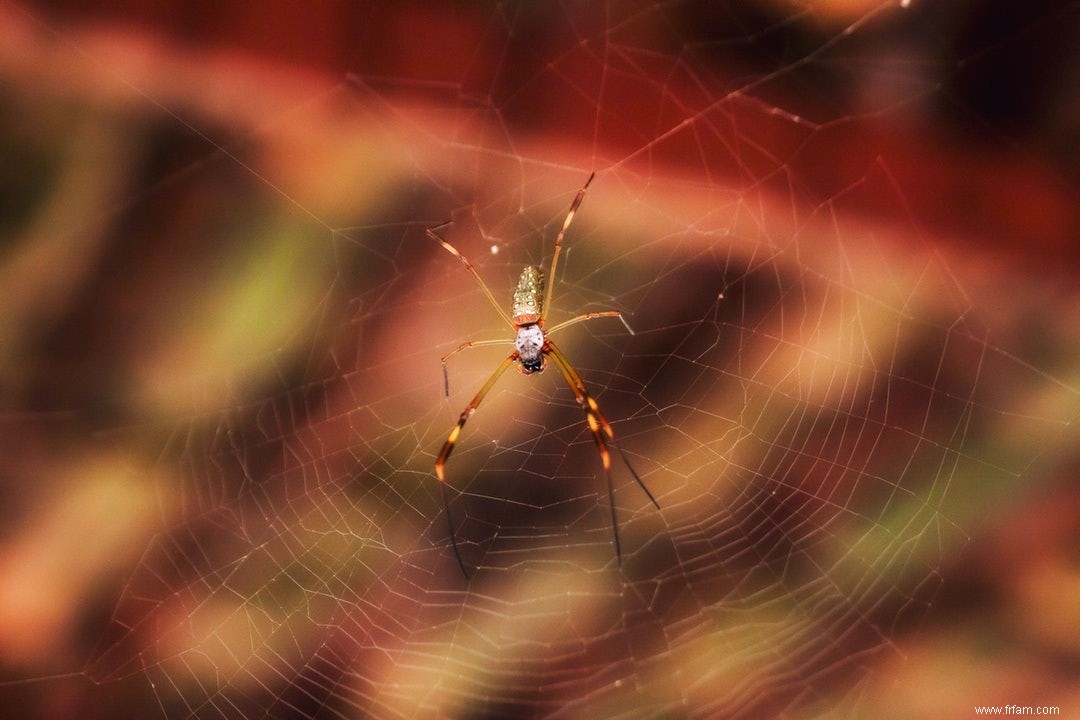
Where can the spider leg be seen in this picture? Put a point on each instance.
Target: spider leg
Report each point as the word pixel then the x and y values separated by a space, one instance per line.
pixel 590 316
pixel 448 446
pixel 589 404
pixel 466 346
pixel 469 266
pixel 559 241
pixel 602 433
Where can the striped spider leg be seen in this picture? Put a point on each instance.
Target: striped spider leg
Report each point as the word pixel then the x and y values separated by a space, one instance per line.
pixel 532 348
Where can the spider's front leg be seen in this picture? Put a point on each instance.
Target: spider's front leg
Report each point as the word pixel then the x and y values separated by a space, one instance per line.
pixel 601 431
pixel 448 446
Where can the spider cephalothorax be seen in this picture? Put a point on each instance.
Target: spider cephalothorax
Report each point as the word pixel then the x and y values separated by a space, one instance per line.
pixel 532 347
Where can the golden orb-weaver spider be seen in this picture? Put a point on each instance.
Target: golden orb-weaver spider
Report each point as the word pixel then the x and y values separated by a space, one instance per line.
pixel 532 347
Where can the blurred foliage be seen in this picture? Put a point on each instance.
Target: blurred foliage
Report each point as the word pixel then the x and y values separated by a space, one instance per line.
pixel 219 343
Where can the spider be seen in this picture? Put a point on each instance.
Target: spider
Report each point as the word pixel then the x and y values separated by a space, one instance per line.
pixel 533 347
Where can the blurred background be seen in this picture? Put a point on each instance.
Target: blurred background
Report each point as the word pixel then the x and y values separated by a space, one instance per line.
pixel 845 234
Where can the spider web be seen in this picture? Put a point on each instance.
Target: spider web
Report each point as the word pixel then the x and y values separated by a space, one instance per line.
pixel 842 369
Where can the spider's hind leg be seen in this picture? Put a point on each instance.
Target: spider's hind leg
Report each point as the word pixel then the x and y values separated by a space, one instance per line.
pixel 469 266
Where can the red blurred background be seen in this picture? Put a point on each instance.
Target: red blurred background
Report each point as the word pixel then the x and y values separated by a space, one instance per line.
pixel 210 280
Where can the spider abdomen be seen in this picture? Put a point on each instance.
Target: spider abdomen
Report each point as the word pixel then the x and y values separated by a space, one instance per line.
pixel 528 297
